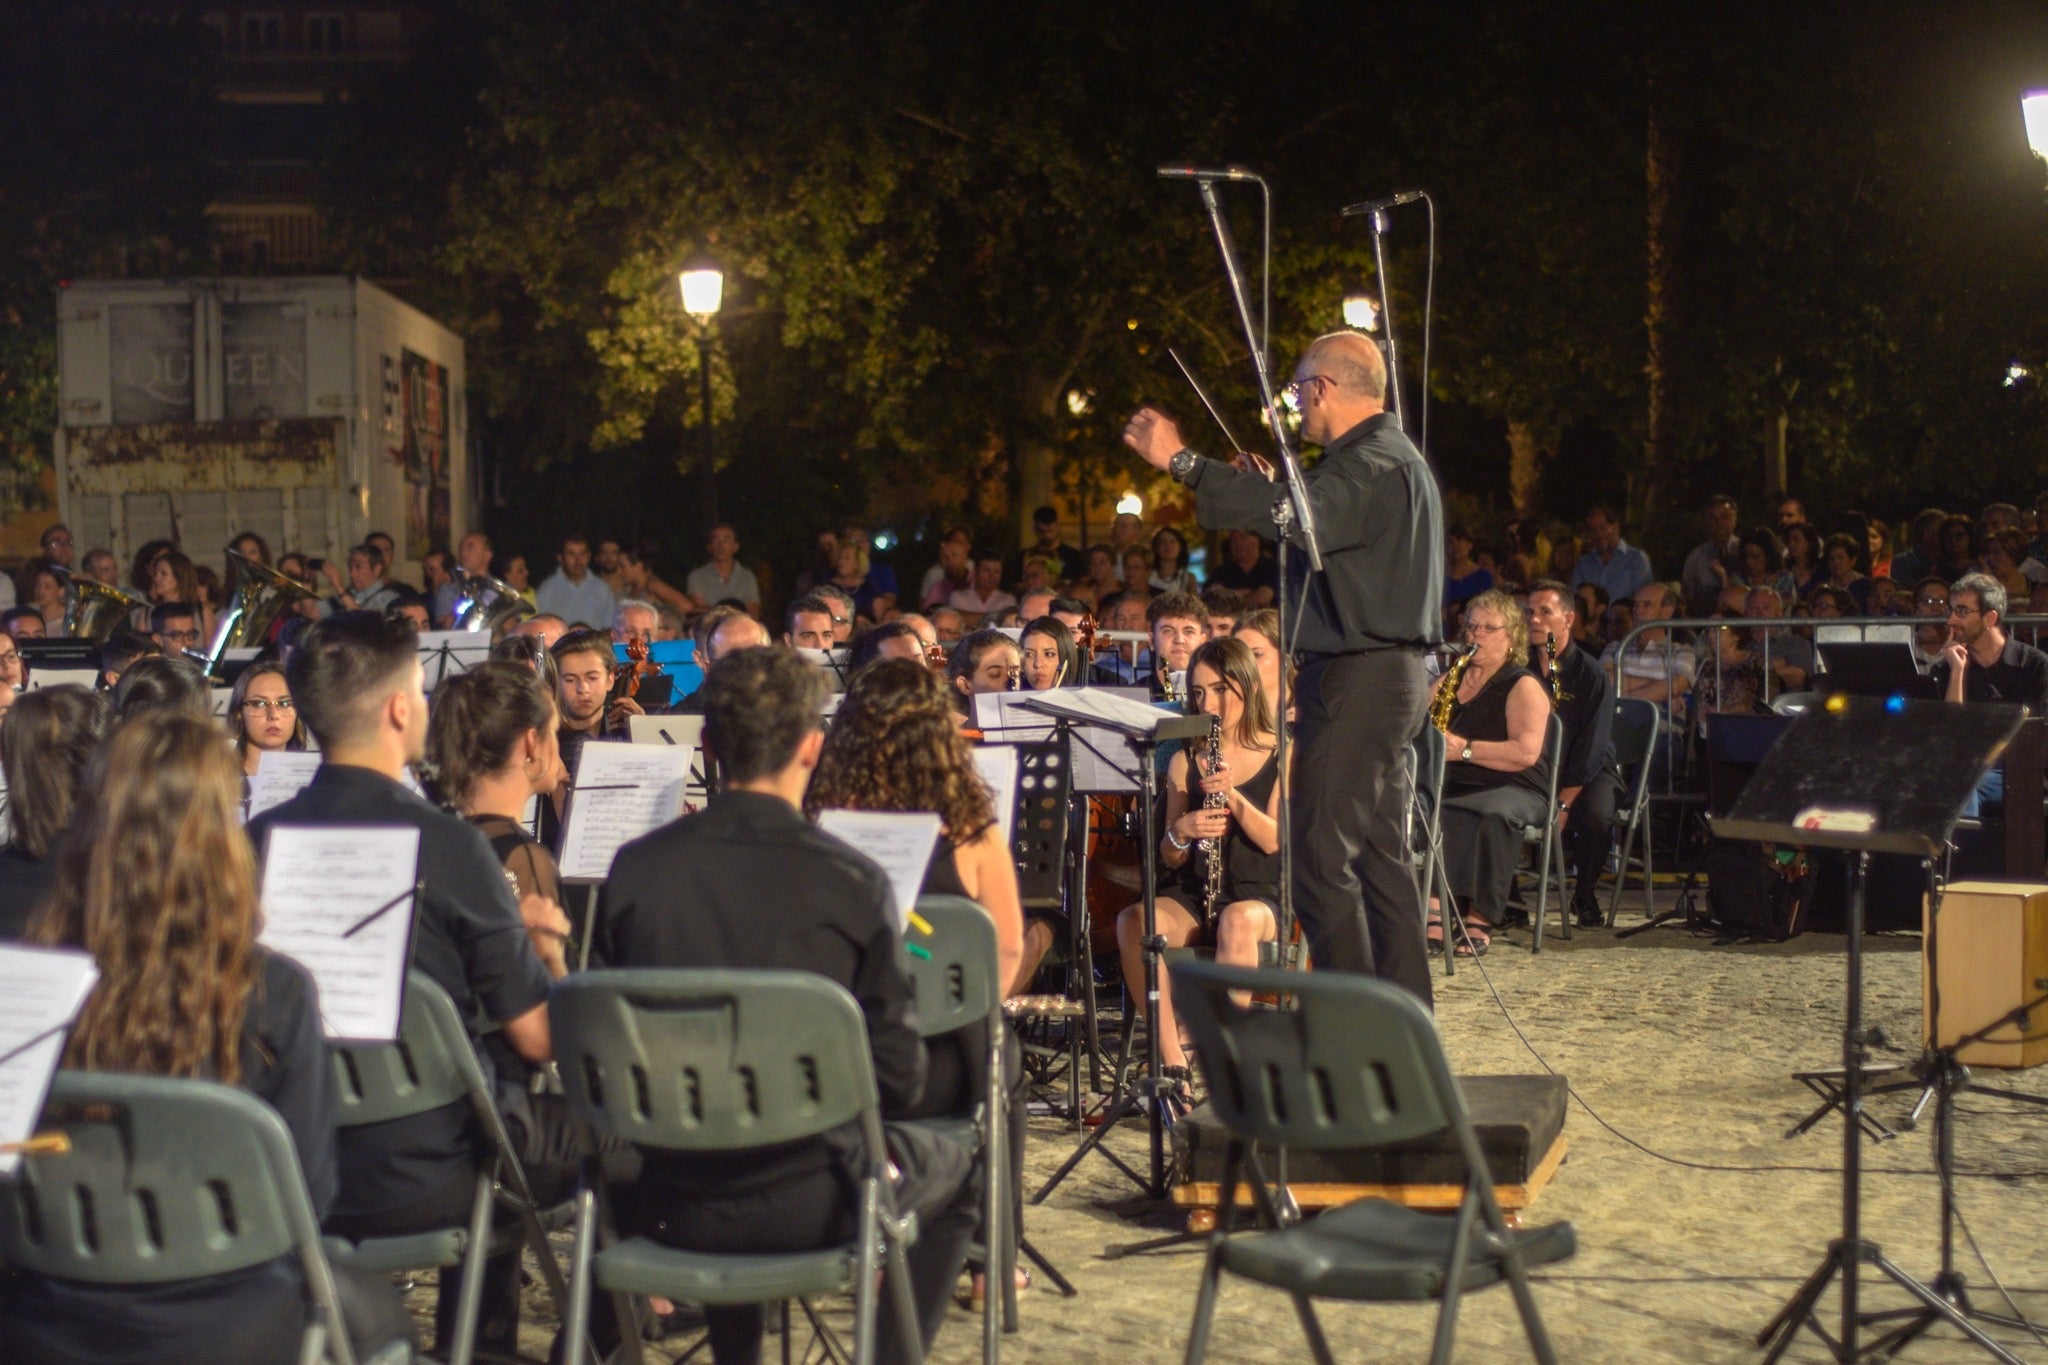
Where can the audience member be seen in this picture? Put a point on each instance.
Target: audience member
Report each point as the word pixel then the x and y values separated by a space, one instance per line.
pixel 572 591
pixel 1716 561
pixel 1170 571
pixel 1791 512
pixel 1803 565
pixel 953 573
pixel 1102 582
pixel 1046 544
pixel 1610 562
pixel 1983 663
pixel 985 594
pixel 1958 547
pixel 1464 578
pixel 722 577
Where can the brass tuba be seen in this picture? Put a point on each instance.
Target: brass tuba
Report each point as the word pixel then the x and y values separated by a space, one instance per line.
pixel 262 594
pixel 485 603
pixel 96 609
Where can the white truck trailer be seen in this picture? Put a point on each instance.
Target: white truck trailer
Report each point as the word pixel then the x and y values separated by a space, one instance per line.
pixel 310 410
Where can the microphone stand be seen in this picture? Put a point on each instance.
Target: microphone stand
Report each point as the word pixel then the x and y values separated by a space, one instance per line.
pixel 1379 259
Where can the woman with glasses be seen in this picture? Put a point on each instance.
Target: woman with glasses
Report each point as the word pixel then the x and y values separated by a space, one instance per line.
pixel 1497 770
pixel 13 668
pixel 262 718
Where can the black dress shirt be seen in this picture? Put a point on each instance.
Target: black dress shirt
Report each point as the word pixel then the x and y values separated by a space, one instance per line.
pixel 1264 574
pixel 2020 676
pixel 1380 521
pixel 25 883
pixel 748 882
pixel 467 936
pixel 1588 714
pixel 284 1063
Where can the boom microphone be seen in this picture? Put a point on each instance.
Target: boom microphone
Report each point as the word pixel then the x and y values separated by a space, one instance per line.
pixel 1207 173
pixel 1393 201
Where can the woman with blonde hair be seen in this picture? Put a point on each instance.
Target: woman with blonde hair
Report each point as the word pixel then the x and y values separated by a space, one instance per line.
pixel 158 883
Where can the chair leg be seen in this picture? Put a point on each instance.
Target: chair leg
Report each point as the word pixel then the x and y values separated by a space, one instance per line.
pixel 784 1310
pixel 469 1302
pixel 1525 1303
pixel 1649 865
pixel 1318 1344
pixel 1628 839
pixel 1542 894
pixel 998 1253
pixel 577 1318
pixel 865 1270
pixel 1564 890
pixel 1205 1302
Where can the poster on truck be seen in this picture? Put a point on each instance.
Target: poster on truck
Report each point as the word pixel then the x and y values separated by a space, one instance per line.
pixel 423 451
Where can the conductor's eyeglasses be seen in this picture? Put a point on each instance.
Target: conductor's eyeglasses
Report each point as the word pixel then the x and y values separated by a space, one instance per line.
pixel 1293 392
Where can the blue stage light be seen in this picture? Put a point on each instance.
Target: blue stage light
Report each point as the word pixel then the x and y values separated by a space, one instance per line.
pixel 1895 703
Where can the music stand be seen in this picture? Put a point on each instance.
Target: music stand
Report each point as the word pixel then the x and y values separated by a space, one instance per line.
pixel 1146 728
pixel 1867 776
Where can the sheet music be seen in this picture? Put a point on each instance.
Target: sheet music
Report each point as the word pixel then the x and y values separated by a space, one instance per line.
pixel 621 792
pixel 281 774
pixel 338 900
pixel 999 716
pixel 445 653
pixel 680 732
pixel 41 990
pixel 899 841
pixel 529 818
pixel 997 764
pixel 223 698
pixel 1111 705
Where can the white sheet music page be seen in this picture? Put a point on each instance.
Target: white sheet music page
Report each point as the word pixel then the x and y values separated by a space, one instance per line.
pixel 900 841
pixel 680 732
pixel 1002 720
pixel 621 792
pixel 338 900
pixel 41 990
pixel 281 774
pixel 445 653
pixel 997 764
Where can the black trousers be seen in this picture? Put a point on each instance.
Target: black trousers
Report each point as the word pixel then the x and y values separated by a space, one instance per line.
pixel 1354 783
pixel 818 1211
pixel 552 1145
pixel 1589 832
pixel 1483 843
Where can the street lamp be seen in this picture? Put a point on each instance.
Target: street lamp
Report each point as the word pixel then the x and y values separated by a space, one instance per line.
pixel 1360 311
pixel 703 286
pixel 2034 110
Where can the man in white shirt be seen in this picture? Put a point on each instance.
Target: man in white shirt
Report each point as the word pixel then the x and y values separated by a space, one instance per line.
pixel 983 596
pixel 724 578
pixel 1657 668
pixel 573 592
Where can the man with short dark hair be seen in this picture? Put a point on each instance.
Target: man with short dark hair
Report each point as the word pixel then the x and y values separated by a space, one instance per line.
pixel 572 591
pixel 437 567
pixel 122 649
pixel 57 545
pixel 175 627
pixel 367 588
pixel 1224 608
pixel 749 883
pixel 1609 561
pixel 1588 788
pixel 415 610
pixel 1922 555
pixel 1045 533
pixel 356 682
pixel 1247 569
pixel 586 667
pixel 807 624
pixel 722 577
pixel 1179 625
pixel 984 595
pixel 1983 663
pixel 1034 604
pixel 102 567
pixel 1791 512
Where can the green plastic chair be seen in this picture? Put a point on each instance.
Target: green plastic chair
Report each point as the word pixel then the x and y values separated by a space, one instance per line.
pixel 1357 1063
pixel 954 986
pixel 433 1064
pixel 728 1060
pixel 1637 726
pixel 169 1179
pixel 1549 840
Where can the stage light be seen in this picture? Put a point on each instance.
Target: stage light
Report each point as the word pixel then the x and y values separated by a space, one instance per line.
pixel 1361 311
pixel 1838 703
pixel 1078 403
pixel 703 284
pixel 1895 703
pixel 1130 503
pixel 2034 112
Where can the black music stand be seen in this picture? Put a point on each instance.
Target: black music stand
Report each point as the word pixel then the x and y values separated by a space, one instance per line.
pixel 1146 728
pixel 1867 776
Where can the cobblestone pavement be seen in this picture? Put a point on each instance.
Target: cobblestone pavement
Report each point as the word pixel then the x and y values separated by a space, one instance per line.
pixel 1686 1046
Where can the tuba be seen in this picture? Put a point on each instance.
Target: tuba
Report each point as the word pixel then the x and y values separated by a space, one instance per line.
pixel 96 609
pixel 262 594
pixel 486 603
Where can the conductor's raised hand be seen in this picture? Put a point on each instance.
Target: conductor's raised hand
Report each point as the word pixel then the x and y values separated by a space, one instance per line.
pixel 1155 436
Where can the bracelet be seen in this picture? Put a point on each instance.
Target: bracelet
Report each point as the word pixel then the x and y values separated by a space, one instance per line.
pixel 1179 845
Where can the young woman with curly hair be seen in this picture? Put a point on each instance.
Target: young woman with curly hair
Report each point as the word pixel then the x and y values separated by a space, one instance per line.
pixel 894 746
pixel 158 883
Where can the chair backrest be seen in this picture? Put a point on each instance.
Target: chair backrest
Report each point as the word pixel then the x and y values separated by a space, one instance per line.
pixel 711 1060
pixel 1356 1063
pixel 1553 740
pixel 432 1064
pixel 166 1179
pixel 1634 730
pixel 956 985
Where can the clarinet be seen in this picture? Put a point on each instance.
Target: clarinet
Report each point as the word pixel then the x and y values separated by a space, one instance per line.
pixel 1212 849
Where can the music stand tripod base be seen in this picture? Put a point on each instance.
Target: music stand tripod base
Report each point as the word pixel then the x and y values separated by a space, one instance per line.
pixel 1867 776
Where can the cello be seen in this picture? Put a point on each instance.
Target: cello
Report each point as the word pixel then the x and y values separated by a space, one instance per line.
pixel 1116 870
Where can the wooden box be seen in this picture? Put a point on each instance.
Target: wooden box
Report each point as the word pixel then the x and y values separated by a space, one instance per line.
pixel 1989 955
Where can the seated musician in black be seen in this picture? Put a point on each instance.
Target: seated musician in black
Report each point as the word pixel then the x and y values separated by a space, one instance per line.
pixel 1588 787
pixel 894 746
pixel 1237 801
pixel 1497 777
pixel 1982 662
pixel 356 677
pixel 156 882
pixel 748 882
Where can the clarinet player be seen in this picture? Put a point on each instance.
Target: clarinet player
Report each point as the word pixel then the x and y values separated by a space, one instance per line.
pixel 1362 630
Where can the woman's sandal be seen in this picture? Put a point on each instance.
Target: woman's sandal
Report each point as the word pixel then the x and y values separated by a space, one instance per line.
pixel 1433 934
pixel 1178 1089
pixel 976 1296
pixel 1478 938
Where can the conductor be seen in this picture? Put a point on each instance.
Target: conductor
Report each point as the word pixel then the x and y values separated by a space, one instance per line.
pixel 1363 629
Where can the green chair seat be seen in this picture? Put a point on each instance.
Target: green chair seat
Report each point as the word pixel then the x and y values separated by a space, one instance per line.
pixel 638 1266
pixel 442 1247
pixel 1374 1249
pixel 964 1129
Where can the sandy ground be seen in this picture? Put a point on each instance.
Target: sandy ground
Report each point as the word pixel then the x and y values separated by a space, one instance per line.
pixel 1687 1047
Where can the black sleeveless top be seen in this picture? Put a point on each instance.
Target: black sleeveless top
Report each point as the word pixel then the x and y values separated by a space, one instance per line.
pixel 1249 873
pixel 1485 717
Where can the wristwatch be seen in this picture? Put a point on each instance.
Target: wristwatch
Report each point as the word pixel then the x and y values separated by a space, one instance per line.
pixel 1182 464
pixel 1466 756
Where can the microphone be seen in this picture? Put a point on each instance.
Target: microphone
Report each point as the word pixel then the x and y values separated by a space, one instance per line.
pixel 1207 173
pixel 1393 201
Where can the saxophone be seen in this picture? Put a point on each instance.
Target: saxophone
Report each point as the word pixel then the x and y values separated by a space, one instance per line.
pixel 1446 698
pixel 1212 849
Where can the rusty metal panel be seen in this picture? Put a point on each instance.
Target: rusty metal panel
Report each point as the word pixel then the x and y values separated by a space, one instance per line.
pixel 181 456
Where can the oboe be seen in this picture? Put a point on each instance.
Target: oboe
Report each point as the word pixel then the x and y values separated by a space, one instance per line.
pixel 1212 890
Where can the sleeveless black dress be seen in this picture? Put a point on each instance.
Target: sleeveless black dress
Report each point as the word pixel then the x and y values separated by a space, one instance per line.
pixel 1249 872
